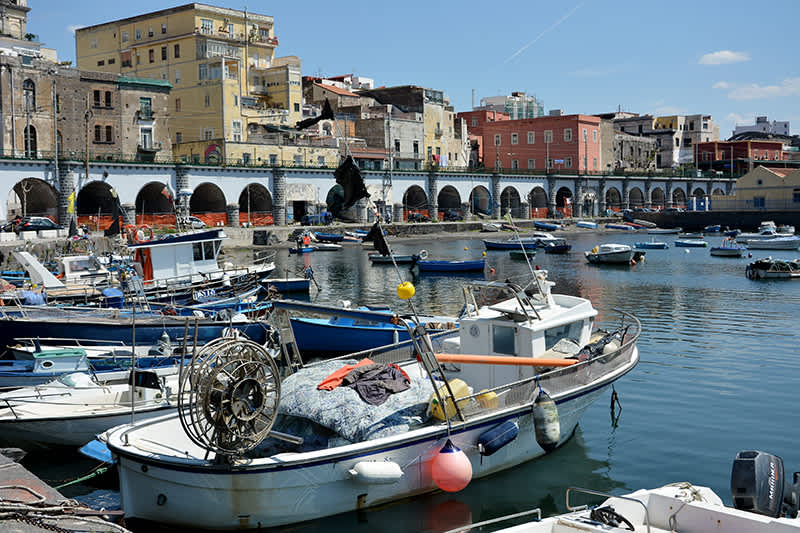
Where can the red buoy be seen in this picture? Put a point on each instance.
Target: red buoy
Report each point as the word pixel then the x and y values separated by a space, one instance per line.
pixel 451 469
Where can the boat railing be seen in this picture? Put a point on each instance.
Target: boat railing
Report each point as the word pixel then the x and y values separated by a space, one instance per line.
pixel 606 495
pixel 501 290
pixel 478 525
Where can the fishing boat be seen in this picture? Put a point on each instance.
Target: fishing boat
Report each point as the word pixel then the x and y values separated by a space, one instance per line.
pixel 586 224
pixel 728 248
pixel 613 253
pixel 558 246
pixel 785 242
pixel 522 254
pixel 328 237
pixel 690 235
pixel 664 231
pixel 547 226
pixel 536 239
pixel 248 455
pixel 327 247
pixel 346 330
pixel 288 284
pixel 301 249
pixel 451 265
pixel 714 228
pixel 652 244
pixel 769 268
pixel 623 227
pixel 378 259
pixel 764 500
pixel 77 406
pixel 690 243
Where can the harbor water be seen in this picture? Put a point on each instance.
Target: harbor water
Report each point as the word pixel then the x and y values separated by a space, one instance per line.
pixel 717 375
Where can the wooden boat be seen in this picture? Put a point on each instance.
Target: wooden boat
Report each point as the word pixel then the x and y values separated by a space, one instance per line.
pixel 302 250
pixel 378 259
pixel 256 472
pixel 728 248
pixel 690 243
pixel 326 247
pixel 466 265
pixel 522 254
pixel 556 247
pixel 294 284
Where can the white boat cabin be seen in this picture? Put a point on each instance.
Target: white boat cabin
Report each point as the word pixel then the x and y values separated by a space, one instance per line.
pixel 179 256
pixel 82 270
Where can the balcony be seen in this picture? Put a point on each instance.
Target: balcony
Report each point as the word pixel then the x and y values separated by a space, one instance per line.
pixel 438 132
pixel 145 114
pixel 147 152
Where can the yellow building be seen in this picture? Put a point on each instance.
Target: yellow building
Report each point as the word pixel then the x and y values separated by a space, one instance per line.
pixel 769 188
pixel 227 84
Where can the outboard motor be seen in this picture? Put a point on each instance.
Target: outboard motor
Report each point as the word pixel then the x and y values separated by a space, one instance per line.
pixel 758 485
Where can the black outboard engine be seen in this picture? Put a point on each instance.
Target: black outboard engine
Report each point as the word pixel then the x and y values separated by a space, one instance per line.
pixel 758 485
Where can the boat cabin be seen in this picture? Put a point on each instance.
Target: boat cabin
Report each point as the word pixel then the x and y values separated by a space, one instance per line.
pixel 177 256
pixel 82 270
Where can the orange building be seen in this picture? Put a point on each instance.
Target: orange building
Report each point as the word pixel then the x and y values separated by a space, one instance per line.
pixel 741 156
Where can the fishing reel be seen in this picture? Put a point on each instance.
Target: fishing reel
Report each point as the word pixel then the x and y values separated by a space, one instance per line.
pixel 229 396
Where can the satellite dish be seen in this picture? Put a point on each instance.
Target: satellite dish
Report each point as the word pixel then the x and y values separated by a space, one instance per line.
pixel 229 396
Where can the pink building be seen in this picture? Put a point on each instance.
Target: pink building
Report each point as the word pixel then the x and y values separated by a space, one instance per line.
pixel 476 122
pixel 563 144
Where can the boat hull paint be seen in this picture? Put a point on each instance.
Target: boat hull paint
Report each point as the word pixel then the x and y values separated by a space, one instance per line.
pixel 477 265
pixel 726 252
pixel 269 493
pixel 621 257
pixel 511 245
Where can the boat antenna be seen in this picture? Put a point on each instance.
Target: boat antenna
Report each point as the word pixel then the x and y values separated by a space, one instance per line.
pixel 527 259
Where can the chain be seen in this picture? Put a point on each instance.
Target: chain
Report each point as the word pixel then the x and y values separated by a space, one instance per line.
pixel 38 522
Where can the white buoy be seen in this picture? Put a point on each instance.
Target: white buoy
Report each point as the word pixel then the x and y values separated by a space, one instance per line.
pixel 687 251
pixel 545 421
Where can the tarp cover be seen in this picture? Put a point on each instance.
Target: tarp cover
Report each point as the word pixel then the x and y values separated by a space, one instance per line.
pixel 344 412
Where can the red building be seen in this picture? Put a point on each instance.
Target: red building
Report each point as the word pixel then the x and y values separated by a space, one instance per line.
pixel 476 121
pixel 563 144
pixel 738 155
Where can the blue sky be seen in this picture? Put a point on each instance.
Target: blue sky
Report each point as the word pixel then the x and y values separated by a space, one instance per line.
pixel 732 59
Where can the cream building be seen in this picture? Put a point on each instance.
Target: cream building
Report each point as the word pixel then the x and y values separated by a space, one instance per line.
pixel 228 88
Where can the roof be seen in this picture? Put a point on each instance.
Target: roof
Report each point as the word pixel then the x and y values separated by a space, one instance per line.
pixel 782 172
pixel 149 82
pixel 336 90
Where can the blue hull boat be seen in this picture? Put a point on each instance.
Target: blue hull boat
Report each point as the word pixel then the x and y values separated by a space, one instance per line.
pixel 652 245
pixel 624 227
pixel 549 226
pixel 328 237
pixel 301 250
pixel 512 244
pixel 586 224
pixel 691 243
pixel 557 248
pixel 469 265
pixel 287 284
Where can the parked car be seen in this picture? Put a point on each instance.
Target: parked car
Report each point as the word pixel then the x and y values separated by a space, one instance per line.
pixel 452 215
pixel 36 224
pixel 195 222
pixel 417 217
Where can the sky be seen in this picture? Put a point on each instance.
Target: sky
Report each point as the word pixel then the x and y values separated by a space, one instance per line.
pixel 733 59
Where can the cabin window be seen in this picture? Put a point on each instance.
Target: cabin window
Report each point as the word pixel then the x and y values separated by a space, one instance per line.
pixel 208 250
pixel 503 339
pixel 197 248
pixel 565 331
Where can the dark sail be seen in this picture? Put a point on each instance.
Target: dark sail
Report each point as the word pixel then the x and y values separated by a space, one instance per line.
pixel 327 113
pixel 376 236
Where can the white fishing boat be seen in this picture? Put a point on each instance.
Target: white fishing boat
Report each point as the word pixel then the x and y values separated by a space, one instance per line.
pixel 783 242
pixel 245 453
pixel 769 268
pixel 612 253
pixel 728 248
pixel 763 501
pixel 74 408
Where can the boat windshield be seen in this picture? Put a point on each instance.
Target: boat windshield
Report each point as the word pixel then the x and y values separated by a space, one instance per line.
pixel 570 331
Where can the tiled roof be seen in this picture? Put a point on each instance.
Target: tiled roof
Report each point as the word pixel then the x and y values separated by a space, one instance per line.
pixel 336 90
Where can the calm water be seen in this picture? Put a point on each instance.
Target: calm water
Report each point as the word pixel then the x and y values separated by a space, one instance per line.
pixel 717 375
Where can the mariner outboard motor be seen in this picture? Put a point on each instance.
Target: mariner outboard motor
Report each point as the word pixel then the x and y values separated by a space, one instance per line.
pixel 758 485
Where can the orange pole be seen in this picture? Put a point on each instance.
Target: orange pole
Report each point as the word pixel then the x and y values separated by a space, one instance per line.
pixel 501 360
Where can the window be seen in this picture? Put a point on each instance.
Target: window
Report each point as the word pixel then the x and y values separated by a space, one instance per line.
pixel 178 137
pixel 397 145
pixel 98 134
pixel 298 160
pixel 548 136
pixel 531 137
pixel 677 142
pixel 230 30
pixel 206 26
pixel 176 50
pixel 497 139
pixel 207 100
pixel 197 251
pixel 164 28
pixel 416 147
pixel 208 134
pixel 138 59
pixel 150 31
pixel 796 196
pixel 177 105
pixel 58 103
pixel 97 101
pixel 514 163
pixel 594 163
pixel 565 331
pixel 138 34
pixel 514 138
pixel 163 53
pixel 146 137
pixel 568 135
pixel 687 141
pixel 235 100
pixel 297 107
pixel 273 159
pixel 474 121
pixel 691 125
pixel 594 136
pixel 585 137
pixel 108 99
pixel 177 76
pixel 93 44
pixel 202 72
pixel 568 162
pixel 145 109
pixel 236 128
pixel 759 202
pixel 503 339
pixel 321 160
pixel 101 63
pixel 111 60
pixel 109 134
pixel 29 94
pixel 125 37
pixel 531 163
pixel 640 128
pixel 152 55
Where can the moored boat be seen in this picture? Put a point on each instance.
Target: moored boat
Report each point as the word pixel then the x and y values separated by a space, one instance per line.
pixel 769 268
pixel 522 254
pixel 547 226
pixel 374 454
pixel 444 265
pixel 328 237
pixel 728 248
pixel 613 253
pixel 664 231
pixel 378 259
pixel 624 227
pixel 690 243
pixel 775 243
pixel 652 244
pixel 586 224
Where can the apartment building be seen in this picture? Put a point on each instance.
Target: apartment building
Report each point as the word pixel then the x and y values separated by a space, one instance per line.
pixel 676 135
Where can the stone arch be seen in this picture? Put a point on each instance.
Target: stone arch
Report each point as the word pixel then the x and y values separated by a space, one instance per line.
pixel 154 204
pixel 255 205
pixel 564 201
pixel 698 193
pixel 480 200
pixel 32 197
pixel 635 197
pixel 717 192
pixel 657 198
pixel 95 205
pixel 415 201
pixel 537 200
pixel 449 202
pixel 679 198
pixel 208 204
pixel 613 199
pixel 510 202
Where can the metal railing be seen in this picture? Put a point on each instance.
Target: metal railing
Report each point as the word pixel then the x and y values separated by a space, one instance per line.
pixel 606 495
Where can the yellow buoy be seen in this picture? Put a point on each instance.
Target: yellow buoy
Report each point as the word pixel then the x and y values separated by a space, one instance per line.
pixel 483 254
pixel 405 290
pixel 465 248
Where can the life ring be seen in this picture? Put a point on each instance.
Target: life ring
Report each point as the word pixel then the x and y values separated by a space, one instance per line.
pixel 143 233
pixel 423 254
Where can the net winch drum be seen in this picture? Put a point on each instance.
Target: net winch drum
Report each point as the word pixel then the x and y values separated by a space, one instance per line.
pixel 758 485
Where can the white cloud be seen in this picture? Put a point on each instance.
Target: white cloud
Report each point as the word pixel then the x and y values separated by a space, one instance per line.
pixel 724 57
pixel 721 85
pixel 788 87
pixel 72 27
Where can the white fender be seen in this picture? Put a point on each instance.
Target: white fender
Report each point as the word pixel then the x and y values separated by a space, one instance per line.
pixel 376 472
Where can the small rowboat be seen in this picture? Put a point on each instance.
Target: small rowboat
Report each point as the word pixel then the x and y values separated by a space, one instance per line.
pixel 469 265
